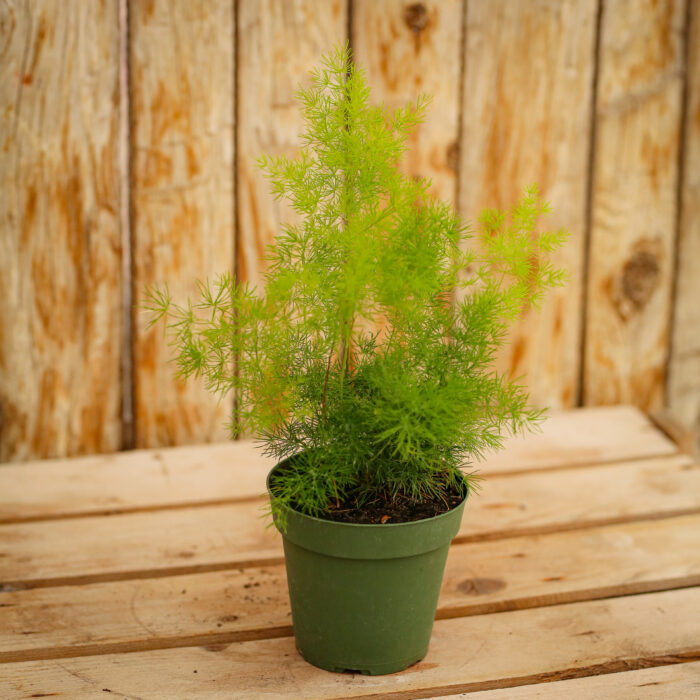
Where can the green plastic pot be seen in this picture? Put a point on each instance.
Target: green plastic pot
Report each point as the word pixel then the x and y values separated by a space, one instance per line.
pixel 363 597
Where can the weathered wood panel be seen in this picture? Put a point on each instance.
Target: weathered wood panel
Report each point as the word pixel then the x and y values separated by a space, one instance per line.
pixel 229 471
pixel 526 119
pixel 180 540
pixel 592 435
pixel 182 77
pixel 466 654
pixel 684 369
pixel 409 48
pixel 526 115
pixel 253 603
pixel 60 323
pixel 633 217
pixel 279 42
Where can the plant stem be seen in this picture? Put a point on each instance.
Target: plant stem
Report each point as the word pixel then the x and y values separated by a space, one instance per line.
pixel 325 384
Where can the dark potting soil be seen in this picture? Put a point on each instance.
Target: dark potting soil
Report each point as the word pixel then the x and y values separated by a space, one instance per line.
pixel 400 509
pixel 385 508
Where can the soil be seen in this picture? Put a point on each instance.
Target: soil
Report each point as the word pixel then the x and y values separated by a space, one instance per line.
pixel 385 510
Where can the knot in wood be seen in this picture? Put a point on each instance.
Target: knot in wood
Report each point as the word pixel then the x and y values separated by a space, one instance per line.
pixel 452 155
pixel 416 16
pixel 481 586
pixel 640 277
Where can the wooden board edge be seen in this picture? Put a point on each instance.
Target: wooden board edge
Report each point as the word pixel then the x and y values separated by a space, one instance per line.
pixel 448 612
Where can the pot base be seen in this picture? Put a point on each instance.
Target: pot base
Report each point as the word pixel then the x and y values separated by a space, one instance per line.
pixel 369 669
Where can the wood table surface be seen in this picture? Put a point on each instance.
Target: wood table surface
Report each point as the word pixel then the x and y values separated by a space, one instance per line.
pixel 151 574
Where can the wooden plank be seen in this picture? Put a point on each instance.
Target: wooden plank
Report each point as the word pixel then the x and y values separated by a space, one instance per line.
pixel 684 367
pixel 524 60
pixel 563 567
pixel 466 654
pixel 60 320
pixel 132 481
pixel 279 42
pixel 583 436
pixel 635 175
pixel 139 545
pixel 172 477
pixel 238 605
pixel 211 538
pixel 409 49
pixel 676 681
pixel 181 72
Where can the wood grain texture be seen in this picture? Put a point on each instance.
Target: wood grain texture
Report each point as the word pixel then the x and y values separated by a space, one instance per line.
pixel 684 368
pixel 181 77
pixel 244 604
pixel 472 653
pixel 133 481
pixel 593 435
pixel 210 538
pixel 279 42
pixel 230 471
pixel 662 682
pixel 60 322
pixel 409 48
pixel 633 216
pixel 526 119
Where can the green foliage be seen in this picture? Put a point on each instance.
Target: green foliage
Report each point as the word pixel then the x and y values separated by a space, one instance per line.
pixel 369 353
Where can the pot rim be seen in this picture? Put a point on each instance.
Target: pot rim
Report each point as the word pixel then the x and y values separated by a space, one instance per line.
pixel 384 526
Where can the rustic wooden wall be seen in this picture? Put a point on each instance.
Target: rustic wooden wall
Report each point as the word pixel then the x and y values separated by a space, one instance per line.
pixel 279 42
pixel 684 378
pixel 181 70
pixel 526 117
pixel 596 101
pixel 60 250
pixel 409 49
pixel 635 191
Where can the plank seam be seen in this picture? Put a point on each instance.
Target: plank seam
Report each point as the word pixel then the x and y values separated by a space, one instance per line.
pixel 125 204
pixel 141 645
pixel 550 600
pixel 588 205
pixel 253 561
pixel 236 214
pixel 579 525
pixel 255 634
pixel 581 465
pixel 680 182
pixel 233 500
pixel 137 574
pixel 616 666
pixel 132 510
pixel 131 311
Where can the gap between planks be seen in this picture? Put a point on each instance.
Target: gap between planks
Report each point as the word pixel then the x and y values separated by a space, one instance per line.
pixel 671 681
pixel 501 650
pixel 215 639
pixel 514 574
pixel 565 674
pixel 262 498
pixel 255 561
pixel 140 545
pixel 197 476
pixel 210 639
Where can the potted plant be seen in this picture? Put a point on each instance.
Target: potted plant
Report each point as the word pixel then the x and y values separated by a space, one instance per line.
pixel 365 367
